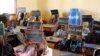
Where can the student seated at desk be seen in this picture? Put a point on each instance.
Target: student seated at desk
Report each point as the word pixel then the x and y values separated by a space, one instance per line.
pixel 60 32
pixel 24 22
pixel 13 31
pixel 91 37
pixel 5 48
pixel 62 44
pixel 73 44
pixel 54 19
pixel 21 17
pixel 40 49
pixel 12 27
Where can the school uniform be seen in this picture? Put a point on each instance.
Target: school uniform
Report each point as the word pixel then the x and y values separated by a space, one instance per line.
pixel 60 33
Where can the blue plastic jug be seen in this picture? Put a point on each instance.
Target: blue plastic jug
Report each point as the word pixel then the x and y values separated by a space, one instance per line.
pixel 74 17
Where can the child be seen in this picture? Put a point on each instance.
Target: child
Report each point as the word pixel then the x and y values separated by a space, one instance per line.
pixel 72 43
pixel 5 48
pixel 13 30
pixel 60 32
pixel 62 44
pixel 39 48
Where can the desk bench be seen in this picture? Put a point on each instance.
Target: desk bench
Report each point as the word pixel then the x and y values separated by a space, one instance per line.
pixel 88 49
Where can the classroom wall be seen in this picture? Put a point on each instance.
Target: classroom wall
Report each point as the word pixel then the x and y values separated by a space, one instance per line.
pixel 29 4
pixel 86 6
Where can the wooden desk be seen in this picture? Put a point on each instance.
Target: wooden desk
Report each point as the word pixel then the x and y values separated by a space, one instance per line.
pixel 88 49
pixel 52 41
pixel 48 25
pixel 47 28
pixel 21 27
pixel 44 25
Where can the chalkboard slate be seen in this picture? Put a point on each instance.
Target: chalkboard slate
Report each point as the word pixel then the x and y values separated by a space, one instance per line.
pixel 21 9
pixel 74 29
pixel 54 12
pixel 63 21
pixel 34 35
pixel 36 13
pixel 35 24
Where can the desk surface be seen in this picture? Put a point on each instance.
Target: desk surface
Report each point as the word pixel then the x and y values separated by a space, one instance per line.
pixel 93 46
pixel 69 54
pixel 44 25
pixel 48 25
pixel 53 39
pixel 21 27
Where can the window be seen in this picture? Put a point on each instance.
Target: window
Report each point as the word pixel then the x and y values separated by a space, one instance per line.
pixel 8 6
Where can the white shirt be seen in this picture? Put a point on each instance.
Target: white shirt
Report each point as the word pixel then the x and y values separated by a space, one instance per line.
pixel 60 32
pixel 15 30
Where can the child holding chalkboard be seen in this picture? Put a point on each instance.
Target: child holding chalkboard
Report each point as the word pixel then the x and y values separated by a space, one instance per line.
pixel 12 28
pixel 39 48
pixel 54 19
pixel 60 32
pixel 35 39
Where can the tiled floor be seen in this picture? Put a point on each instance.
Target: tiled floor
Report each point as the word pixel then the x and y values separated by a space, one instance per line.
pixel 62 53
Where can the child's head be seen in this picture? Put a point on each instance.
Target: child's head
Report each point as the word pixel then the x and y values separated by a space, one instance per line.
pixel 22 15
pixel 55 16
pixel 79 37
pixel 61 27
pixel 73 37
pixel 13 23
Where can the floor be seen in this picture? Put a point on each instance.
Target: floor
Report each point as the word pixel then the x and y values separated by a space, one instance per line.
pixel 63 53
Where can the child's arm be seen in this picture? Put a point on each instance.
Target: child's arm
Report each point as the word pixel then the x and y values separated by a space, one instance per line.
pixel 26 44
pixel 45 47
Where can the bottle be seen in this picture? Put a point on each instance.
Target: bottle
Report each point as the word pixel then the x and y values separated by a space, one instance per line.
pixel 74 17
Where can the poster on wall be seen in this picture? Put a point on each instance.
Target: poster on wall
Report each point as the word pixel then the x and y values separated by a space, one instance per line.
pixel 74 29
pixel 34 35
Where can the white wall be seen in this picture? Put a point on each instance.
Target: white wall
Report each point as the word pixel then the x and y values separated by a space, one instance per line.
pixel 86 6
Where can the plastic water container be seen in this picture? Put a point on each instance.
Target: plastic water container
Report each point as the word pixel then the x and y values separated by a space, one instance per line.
pixel 74 17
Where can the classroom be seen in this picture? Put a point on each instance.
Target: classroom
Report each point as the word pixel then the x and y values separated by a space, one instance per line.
pixel 66 27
